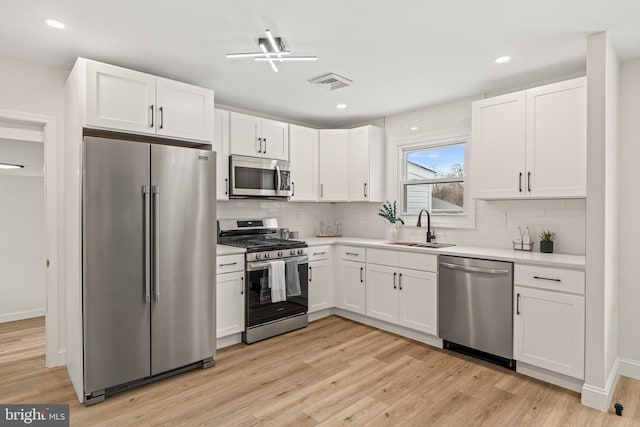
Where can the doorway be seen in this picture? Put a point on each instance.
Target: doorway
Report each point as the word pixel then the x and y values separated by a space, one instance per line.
pixel 29 259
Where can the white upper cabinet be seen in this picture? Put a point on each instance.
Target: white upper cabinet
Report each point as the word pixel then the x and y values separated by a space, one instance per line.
pixel 557 140
pixel 366 164
pixel 257 137
pixel 131 101
pixel 221 147
pixel 531 143
pixel 184 110
pixel 303 156
pixel 333 165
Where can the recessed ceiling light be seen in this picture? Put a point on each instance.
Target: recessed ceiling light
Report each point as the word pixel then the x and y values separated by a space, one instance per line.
pixel 55 24
pixel 503 59
pixel 341 106
pixel 414 128
pixel 10 166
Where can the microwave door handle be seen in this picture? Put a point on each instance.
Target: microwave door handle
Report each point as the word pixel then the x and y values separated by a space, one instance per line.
pixel 278 179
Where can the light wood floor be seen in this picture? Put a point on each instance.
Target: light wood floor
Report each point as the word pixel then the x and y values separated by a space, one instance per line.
pixel 334 372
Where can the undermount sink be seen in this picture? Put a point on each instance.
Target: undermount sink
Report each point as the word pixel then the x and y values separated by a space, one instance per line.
pixel 432 245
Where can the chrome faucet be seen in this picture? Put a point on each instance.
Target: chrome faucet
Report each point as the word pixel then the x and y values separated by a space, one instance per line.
pixel 430 234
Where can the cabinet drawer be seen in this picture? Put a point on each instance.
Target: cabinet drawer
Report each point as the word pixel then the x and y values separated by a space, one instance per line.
pixel 317 253
pixel 352 253
pixel 556 279
pixel 229 263
pixel 383 257
pixel 416 261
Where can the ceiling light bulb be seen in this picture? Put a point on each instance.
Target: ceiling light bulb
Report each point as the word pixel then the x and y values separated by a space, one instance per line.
pixel 414 128
pixel 54 24
pixel 503 59
pixel 341 106
pixel 10 166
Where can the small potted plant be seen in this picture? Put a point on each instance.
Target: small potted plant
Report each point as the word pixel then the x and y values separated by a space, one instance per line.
pixel 389 213
pixel 546 241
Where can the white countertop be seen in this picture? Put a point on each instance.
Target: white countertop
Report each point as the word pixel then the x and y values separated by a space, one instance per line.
pixel 536 258
pixel 229 250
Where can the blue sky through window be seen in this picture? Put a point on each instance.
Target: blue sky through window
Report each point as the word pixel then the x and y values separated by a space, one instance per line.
pixel 440 158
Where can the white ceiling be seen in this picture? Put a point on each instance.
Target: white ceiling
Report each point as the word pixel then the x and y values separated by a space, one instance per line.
pixel 402 55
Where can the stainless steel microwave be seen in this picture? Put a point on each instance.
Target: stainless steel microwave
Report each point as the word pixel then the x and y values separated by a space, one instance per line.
pixel 259 177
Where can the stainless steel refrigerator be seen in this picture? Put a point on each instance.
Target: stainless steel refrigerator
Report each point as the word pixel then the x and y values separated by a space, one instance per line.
pixel 149 248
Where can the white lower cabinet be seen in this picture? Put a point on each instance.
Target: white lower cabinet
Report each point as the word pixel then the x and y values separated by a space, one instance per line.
pixel 320 283
pixel 352 286
pixel 549 321
pixel 230 295
pixel 382 292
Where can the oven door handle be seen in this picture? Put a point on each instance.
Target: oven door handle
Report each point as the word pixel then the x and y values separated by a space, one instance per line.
pixel 257 266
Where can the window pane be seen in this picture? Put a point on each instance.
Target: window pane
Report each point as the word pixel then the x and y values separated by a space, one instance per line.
pixel 435 163
pixel 437 198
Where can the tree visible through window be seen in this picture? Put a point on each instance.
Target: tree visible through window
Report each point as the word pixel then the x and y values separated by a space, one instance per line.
pixel 434 179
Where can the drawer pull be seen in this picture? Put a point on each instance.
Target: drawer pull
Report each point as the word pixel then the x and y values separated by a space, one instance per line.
pixel 319 253
pixel 227 264
pixel 351 253
pixel 547 278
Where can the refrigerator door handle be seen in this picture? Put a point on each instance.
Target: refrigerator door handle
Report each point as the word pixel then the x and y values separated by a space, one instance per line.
pixel 147 244
pixel 156 241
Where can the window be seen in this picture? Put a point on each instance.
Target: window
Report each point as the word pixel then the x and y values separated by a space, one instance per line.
pixel 433 178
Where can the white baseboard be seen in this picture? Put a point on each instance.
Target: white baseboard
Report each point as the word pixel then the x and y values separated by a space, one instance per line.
pixel 542 374
pixel 320 314
pixel 21 315
pixel 228 340
pixel 600 398
pixel 629 368
pixel 62 358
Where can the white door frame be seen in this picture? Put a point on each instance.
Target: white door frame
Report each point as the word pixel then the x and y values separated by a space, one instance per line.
pixel 53 356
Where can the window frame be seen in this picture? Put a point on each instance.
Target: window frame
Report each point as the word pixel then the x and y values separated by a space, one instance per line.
pixel 464 219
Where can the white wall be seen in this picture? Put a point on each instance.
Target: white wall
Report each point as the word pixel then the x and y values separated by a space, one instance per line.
pixel 496 222
pixel 22 283
pixel 36 89
pixel 629 204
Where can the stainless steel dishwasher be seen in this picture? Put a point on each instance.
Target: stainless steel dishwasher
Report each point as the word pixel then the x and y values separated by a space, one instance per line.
pixel 475 306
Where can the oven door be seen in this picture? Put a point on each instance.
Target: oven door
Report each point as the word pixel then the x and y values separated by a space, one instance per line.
pixel 259 308
pixel 252 176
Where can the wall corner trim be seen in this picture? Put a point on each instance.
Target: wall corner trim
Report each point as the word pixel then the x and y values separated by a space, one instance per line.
pixel 600 398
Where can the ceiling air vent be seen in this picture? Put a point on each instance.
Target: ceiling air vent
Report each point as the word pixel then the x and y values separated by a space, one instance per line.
pixel 331 81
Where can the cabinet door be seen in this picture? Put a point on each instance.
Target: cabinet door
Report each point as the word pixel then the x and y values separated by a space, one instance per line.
pixel 120 99
pixel 358 163
pixel 244 134
pixel 303 155
pixel 319 286
pixel 382 292
pixel 221 147
pixel 352 292
pixel 275 139
pixel 333 165
pixel 549 330
pixel 418 300
pixel 230 303
pixel 498 152
pixel 184 111
pixel 557 139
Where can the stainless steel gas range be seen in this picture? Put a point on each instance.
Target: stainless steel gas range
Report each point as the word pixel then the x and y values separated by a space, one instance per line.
pixel 276 277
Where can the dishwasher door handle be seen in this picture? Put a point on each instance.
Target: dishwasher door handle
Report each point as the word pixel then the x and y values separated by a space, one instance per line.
pixel 473 269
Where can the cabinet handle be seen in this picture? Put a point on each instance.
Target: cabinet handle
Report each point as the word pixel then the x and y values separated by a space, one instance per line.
pixel 227 264
pixel 529 182
pixel 242 286
pixel 520 183
pixel 319 253
pixel 226 186
pixel 259 145
pixel 394 280
pixel 151 125
pixel 161 117
pixel 293 189
pixel 265 146
pixel 361 271
pixel 310 274
pixel 321 190
pixel 400 281
pixel 365 189
pixel 547 278
pixel 351 253
pixel 518 305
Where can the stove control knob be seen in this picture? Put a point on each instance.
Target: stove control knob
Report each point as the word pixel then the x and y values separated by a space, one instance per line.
pixel 258 256
pixel 267 255
pixel 300 251
pixel 293 252
pixel 280 253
